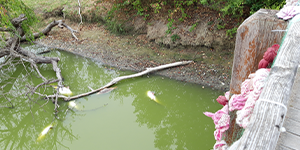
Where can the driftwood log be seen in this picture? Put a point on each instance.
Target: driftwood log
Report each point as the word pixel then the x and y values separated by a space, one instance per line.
pixel 116 80
pixel 270 110
pixel 253 38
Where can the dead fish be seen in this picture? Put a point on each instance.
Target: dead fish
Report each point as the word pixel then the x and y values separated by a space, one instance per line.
pixel 44 132
pixel 151 95
pixel 64 90
pixel 72 105
pixel 106 90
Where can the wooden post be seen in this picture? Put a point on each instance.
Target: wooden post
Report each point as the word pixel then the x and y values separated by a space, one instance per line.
pixel 269 112
pixel 253 38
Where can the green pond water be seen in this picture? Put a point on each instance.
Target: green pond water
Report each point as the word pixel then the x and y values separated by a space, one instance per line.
pixel 123 119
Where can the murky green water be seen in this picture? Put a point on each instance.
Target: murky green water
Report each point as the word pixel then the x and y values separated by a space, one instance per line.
pixel 124 119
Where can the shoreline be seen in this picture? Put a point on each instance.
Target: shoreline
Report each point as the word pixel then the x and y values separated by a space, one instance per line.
pixel 136 59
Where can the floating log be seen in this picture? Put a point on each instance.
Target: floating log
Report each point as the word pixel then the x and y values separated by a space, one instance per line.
pixel 253 38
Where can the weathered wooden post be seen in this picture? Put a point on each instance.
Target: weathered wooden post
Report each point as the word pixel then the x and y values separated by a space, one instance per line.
pixel 270 109
pixel 253 38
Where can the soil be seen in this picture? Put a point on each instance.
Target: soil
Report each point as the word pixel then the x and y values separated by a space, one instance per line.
pixel 147 45
pixel 136 54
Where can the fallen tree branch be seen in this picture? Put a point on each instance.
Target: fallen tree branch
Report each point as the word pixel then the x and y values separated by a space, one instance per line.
pixel 116 80
pixel 59 23
pixel 4 52
pixel 37 59
pixel 13 50
pixel 53 60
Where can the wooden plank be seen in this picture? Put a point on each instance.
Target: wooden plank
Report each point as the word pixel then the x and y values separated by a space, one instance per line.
pixel 282 147
pixel 295 102
pixel 292 126
pixel 295 95
pixel 253 38
pixel 294 114
pixel 290 141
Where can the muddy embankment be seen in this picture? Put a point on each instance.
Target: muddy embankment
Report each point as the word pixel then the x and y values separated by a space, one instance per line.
pixel 148 45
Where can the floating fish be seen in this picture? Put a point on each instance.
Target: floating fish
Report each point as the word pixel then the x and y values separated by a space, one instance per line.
pixel 64 91
pixel 106 90
pixel 44 132
pixel 151 95
pixel 72 105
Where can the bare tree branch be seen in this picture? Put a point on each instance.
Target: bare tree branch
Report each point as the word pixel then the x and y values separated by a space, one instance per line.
pixel 79 14
pixel 38 71
pixel 59 23
pixel 17 21
pixel 4 52
pixel 116 80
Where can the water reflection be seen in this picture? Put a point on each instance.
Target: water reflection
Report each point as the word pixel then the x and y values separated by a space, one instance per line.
pixel 131 120
pixel 19 128
pixel 179 123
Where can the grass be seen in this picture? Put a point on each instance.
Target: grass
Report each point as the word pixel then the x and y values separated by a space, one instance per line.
pixel 48 6
pixel 70 7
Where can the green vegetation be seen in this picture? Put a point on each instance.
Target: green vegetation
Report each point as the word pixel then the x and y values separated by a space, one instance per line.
pixel 193 27
pixel 234 8
pixel 170 26
pixel 11 9
pixel 174 11
pixel 112 24
pixel 174 37
pixel 231 32
pixel 220 26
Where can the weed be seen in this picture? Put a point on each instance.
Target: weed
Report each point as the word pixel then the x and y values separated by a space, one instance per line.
pixel 137 5
pixel 231 32
pixel 193 27
pixel 146 15
pixel 156 7
pixel 170 26
pixel 204 2
pixel 111 24
pixel 210 23
pixel 115 27
pixel 221 26
pixel 175 37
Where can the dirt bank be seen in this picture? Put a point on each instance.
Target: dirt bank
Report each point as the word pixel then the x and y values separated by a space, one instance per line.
pixel 136 52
